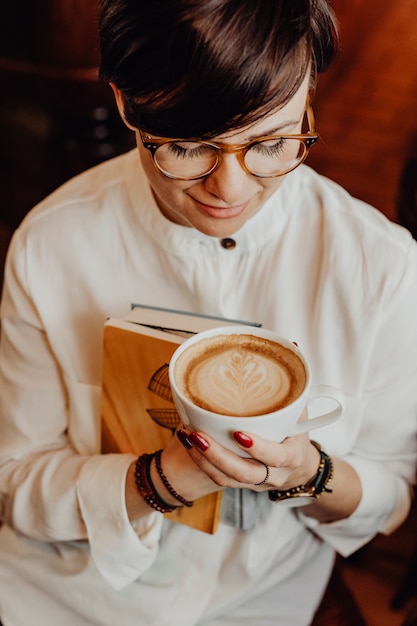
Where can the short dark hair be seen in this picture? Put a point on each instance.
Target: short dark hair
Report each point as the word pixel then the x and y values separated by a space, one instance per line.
pixel 198 68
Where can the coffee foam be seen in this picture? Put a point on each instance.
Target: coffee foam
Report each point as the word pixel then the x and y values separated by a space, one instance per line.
pixel 240 375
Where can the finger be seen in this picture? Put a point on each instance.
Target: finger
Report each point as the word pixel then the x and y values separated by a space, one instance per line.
pixel 184 439
pixel 278 454
pixel 291 462
pixel 223 466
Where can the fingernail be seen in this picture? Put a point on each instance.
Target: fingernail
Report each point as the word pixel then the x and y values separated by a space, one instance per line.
pixel 243 440
pixel 182 436
pixel 199 441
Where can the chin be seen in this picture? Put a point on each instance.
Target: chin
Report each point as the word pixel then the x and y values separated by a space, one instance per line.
pixel 218 230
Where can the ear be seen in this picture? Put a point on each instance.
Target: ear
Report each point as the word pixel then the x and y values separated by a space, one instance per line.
pixel 118 96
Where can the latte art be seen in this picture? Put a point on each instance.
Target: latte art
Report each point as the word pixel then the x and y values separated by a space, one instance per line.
pixel 240 375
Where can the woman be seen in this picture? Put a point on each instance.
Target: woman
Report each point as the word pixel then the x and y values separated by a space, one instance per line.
pixel 214 213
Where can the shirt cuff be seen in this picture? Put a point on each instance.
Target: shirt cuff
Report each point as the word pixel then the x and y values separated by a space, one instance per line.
pixel 120 550
pixel 385 503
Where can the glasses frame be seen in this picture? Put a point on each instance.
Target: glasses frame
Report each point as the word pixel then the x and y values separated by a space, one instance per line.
pixel 240 149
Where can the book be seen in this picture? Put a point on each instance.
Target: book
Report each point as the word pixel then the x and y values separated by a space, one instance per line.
pixel 137 410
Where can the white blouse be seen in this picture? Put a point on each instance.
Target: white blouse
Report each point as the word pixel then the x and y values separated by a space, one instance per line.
pixel 314 265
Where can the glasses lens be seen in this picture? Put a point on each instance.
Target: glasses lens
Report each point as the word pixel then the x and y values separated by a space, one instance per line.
pixel 186 159
pixel 275 156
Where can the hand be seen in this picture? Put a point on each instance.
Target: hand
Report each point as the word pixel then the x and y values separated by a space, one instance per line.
pixel 181 472
pixel 270 466
pixel 291 463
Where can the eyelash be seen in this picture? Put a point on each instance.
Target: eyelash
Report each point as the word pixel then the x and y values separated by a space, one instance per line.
pixel 275 149
pixel 181 152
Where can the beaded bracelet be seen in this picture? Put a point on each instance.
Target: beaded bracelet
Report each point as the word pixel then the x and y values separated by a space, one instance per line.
pixel 166 482
pixel 146 487
pixel 152 484
pixel 315 486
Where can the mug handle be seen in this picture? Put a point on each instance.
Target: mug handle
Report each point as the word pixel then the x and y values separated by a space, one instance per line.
pixel 321 391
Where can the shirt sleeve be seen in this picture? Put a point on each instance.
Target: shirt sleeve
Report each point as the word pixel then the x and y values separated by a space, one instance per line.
pixel 379 485
pixel 114 545
pixel 54 484
pixel 384 453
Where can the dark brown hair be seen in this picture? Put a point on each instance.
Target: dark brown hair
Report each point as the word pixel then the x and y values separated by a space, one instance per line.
pixel 193 68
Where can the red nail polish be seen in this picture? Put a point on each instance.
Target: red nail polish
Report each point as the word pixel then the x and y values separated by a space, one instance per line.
pixel 243 440
pixel 182 436
pixel 199 441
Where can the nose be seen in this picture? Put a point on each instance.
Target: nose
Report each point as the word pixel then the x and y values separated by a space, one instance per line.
pixel 229 182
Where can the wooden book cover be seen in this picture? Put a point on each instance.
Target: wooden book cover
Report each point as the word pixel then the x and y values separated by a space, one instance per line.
pixel 138 413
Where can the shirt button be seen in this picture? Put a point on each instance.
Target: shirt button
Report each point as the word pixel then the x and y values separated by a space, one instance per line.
pixel 228 243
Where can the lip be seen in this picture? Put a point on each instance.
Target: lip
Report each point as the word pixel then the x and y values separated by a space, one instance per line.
pixel 222 212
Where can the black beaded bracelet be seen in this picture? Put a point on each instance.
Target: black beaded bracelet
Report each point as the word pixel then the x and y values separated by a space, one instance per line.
pixel 146 487
pixel 166 482
pixel 315 486
pixel 152 484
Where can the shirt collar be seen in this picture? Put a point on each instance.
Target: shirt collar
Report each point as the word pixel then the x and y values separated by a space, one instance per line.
pixel 266 224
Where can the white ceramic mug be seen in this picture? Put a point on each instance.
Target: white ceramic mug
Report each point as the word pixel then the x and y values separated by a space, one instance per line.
pixel 274 426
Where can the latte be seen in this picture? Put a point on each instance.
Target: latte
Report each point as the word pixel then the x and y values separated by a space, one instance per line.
pixel 240 375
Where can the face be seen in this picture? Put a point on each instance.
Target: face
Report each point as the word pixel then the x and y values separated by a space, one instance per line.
pixel 221 203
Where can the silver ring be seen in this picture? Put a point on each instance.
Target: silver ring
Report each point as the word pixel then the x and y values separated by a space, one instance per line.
pixel 266 475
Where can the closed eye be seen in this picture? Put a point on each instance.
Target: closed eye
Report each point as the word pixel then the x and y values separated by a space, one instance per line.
pixel 189 150
pixel 270 148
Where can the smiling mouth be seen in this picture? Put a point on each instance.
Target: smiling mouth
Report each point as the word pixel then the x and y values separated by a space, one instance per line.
pixel 222 212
